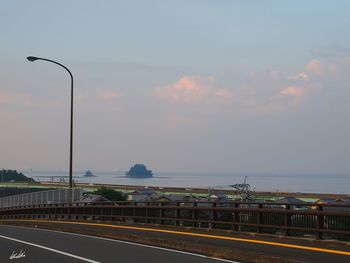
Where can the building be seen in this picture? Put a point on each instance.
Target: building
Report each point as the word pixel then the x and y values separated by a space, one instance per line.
pixel 142 194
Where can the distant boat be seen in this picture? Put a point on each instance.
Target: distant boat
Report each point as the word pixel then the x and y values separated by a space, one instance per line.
pixel 139 171
pixel 89 174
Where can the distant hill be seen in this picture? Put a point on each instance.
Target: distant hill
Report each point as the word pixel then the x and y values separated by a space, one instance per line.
pixel 13 176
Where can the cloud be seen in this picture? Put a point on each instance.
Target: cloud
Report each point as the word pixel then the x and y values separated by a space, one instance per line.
pixel 193 89
pixel 108 95
pixel 267 91
pixel 271 92
pixel 15 98
pixel 314 66
pixel 300 76
pixel 293 91
pixel 317 67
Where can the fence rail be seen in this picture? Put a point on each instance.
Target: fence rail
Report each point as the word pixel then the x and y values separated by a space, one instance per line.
pixel 42 197
pixel 322 221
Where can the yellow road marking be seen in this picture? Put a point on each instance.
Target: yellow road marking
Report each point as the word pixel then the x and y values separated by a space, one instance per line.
pixel 332 251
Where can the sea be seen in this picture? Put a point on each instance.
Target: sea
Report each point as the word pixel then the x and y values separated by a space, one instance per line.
pixel 303 183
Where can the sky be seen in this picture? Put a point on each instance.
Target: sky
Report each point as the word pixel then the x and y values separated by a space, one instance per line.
pixel 181 86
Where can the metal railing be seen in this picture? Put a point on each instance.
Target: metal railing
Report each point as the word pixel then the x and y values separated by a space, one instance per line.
pixel 56 196
pixel 319 220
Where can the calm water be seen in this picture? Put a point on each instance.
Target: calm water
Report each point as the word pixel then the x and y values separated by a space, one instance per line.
pixel 293 183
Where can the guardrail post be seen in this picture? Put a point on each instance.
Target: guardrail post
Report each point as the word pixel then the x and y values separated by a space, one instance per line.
pixel 235 216
pixel 213 216
pixel 134 212
pixel 320 223
pixel 177 214
pixel 123 217
pixel 147 220
pixel 260 218
pixel 68 211
pixel 195 214
pixel 161 213
pixel 287 220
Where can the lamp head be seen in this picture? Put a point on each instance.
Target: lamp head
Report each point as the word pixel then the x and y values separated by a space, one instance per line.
pixel 31 58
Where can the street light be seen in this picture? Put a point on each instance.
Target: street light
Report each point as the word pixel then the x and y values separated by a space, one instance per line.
pixel 32 59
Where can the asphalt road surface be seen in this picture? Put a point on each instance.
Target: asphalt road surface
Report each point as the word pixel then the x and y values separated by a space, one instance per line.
pixel 19 244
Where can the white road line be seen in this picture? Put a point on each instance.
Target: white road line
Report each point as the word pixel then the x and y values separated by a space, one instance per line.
pixel 224 260
pixel 127 242
pixel 50 249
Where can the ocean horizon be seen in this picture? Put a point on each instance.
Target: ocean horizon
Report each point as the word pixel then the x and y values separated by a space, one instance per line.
pixel 305 183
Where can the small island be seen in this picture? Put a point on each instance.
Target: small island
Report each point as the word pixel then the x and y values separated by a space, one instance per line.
pixel 14 176
pixel 89 174
pixel 139 171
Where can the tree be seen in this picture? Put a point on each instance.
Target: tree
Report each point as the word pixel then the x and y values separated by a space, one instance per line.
pixel 111 194
pixel 9 175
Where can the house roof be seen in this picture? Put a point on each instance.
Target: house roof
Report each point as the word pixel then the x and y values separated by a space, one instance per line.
pixel 334 201
pixel 144 191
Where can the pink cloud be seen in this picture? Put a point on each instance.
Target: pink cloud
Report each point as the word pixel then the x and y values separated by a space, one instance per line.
pixel 272 92
pixel 262 92
pixel 314 66
pixel 318 68
pixel 12 97
pixel 108 95
pixel 293 91
pixel 192 89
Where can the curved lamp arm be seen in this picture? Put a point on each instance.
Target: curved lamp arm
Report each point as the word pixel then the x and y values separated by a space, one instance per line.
pixel 32 59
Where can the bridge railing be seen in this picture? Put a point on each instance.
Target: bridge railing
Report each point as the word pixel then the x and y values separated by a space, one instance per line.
pixel 319 220
pixel 56 196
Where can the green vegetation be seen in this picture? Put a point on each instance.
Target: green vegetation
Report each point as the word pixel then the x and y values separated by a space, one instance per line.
pixel 13 175
pixel 111 194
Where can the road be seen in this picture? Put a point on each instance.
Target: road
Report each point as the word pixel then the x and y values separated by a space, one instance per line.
pixel 240 247
pixel 49 246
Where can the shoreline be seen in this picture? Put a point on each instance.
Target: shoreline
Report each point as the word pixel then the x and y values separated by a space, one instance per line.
pixel 181 190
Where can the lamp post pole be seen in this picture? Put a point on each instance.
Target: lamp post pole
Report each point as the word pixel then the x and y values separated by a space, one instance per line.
pixel 32 59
